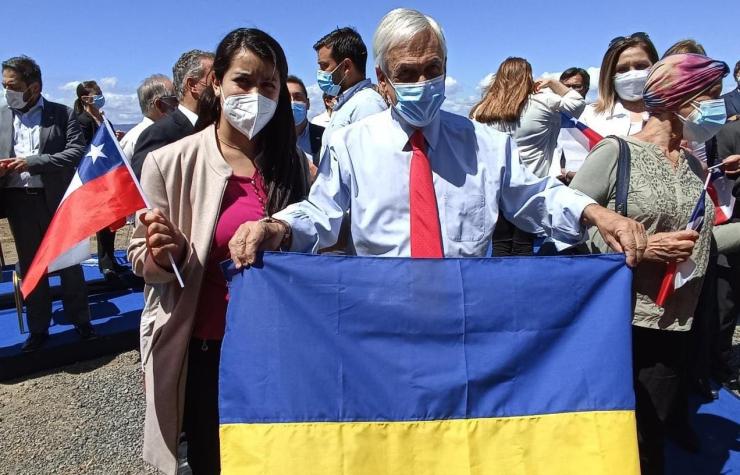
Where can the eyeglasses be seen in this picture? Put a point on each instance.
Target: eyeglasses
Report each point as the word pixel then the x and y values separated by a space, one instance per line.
pixel 641 35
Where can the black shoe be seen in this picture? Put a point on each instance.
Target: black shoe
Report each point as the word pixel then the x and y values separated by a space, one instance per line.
pixel 112 278
pixel 34 342
pixel 119 269
pixel 704 389
pixel 86 331
pixel 732 384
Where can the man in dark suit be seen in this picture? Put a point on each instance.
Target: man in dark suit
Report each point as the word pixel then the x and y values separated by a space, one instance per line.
pixel 732 98
pixel 40 147
pixel 308 134
pixel 190 76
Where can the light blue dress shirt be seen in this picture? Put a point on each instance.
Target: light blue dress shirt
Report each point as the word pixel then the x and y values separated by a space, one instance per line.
pixel 476 173
pixel 354 104
pixel 26 143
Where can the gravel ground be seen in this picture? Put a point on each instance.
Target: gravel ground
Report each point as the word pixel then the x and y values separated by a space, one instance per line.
pixel 86 418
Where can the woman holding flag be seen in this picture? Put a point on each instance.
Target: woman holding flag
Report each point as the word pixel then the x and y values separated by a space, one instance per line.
pixel 666 193
pixel 242 164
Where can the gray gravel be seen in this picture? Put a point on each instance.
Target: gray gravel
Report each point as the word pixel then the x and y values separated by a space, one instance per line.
pixel 86 418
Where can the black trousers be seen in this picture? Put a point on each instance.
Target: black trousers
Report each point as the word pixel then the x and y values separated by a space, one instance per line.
pixel 200 422
pixel 106 245
pixel 728 306
pixel 29 217
pixel 660 379
pixel 508 240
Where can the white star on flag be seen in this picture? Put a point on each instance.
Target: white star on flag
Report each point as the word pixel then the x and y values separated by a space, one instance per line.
pixel 96 151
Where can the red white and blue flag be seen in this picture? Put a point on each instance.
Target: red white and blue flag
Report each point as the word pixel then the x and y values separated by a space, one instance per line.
pixel 102 192
pixel 678 274
pixel 719 189
pixel 580 132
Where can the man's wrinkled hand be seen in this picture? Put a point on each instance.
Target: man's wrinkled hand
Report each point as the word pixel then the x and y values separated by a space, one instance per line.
pixel 253 237
pixel 620 233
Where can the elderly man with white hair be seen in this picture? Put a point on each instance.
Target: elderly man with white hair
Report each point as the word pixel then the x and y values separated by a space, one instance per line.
pixel 422 182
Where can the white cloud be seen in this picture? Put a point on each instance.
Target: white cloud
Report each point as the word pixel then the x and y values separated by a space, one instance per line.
pixel 484 83
pixel 317 103
pixel 109 82
pixel 452 86
pixel 70 86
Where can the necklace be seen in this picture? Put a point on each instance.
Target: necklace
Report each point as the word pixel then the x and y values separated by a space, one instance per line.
pixel 231 145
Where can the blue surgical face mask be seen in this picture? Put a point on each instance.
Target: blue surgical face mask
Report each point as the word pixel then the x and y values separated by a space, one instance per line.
pixel 705 121
pixel 325 79
pixel 299 112
pixel 98 101
pixel 418 103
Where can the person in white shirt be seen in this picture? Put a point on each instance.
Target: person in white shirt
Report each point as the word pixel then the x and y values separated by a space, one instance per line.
pixel 322 120
pixel 436 182
pixel 527 110
pixel 342 60
pixel 570 153
pixel 156 99
pixel 619 109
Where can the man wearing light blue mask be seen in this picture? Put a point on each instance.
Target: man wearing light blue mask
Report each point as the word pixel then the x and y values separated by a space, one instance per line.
pixel 422 182
pixel 308 135
pixel 342 61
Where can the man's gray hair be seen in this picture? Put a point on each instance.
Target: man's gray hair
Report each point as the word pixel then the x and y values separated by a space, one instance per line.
pixel 399 26
pixel 190 65
pixel 152 88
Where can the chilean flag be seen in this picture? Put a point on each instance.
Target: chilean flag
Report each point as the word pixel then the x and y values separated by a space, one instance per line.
pixel 580 132
pixel 102 192
pixel 719 187
pixel 678 274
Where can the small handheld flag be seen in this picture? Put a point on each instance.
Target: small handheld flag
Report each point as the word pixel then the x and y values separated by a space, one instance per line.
pixel 678 274
pixel 580 132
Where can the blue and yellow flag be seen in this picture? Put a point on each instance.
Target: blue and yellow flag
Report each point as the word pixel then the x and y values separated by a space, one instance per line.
pixel 347 365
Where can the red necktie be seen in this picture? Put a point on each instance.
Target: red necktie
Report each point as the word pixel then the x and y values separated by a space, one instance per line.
pixel 426 237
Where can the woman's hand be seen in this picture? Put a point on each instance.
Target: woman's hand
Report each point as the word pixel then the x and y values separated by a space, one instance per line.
pixel 670 247
pixel 163 238
pixel 731 165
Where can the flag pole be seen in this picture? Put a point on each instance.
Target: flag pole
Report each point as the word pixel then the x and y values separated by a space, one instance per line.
pixel 175 270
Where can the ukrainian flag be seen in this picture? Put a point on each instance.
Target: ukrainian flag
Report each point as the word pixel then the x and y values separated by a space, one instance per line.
pixel 348 365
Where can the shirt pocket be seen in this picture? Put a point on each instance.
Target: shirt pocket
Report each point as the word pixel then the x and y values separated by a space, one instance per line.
pixel 465 217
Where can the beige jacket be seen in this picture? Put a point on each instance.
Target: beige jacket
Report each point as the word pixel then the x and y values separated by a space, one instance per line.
pixel 186 180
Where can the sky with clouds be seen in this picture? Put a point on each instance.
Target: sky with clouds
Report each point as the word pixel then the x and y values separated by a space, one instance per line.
pixel 120 43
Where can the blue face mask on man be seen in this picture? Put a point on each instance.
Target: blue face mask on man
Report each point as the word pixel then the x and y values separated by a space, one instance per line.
pixel 299 112
pixel 98 101
pixel 325 79
pixel 418 103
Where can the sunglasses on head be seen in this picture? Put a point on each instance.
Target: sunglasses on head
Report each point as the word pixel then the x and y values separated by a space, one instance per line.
pixel 639 35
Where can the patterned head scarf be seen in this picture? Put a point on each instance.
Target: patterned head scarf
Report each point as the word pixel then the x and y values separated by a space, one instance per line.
pixel 680 78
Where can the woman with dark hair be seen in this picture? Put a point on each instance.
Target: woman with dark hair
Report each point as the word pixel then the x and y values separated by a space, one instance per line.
pixel 530 111
pixel 619 109
pixel 665 183
pixel 87 106
pixel 242 164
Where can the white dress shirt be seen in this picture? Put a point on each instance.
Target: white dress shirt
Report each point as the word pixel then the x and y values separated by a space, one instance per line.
pixel 536 132
pixel 618 122
pixel 476 172
pixel 354 104
pixel 26 143
pixel 192 116
pixel 128 142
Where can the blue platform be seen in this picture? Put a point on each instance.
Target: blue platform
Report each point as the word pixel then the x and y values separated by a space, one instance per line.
pixel 115 312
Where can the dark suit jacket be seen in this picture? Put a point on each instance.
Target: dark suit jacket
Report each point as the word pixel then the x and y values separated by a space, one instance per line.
pixel 60 150
pixel 315 132
pixel 163 132
pixel 732 102
pixel 88 126
pixel 728 143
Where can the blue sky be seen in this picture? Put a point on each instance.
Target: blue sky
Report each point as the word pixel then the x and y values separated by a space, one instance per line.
pixel 121 42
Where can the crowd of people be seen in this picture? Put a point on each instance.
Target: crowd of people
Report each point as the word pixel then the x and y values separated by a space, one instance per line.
pixel 232 166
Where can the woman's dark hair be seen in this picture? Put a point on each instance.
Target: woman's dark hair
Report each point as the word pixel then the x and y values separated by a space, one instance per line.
pixel 280 165
pixel 85 88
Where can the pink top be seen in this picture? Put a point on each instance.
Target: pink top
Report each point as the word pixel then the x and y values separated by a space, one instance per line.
pixel 244 200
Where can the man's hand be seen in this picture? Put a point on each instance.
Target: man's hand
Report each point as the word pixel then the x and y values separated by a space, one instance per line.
pixel 671 247
pixel 10 165
pixel 254 236
pixel 620 233
pixel 162 238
